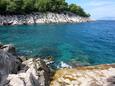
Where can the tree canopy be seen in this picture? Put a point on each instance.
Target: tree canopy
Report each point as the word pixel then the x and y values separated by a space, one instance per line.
pixel 28 6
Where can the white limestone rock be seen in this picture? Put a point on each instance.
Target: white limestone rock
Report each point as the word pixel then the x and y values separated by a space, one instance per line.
pixel 17 72
pixel 33 73
pixel 42 18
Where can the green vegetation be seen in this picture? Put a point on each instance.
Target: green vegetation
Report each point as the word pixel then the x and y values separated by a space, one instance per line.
pixel 29 6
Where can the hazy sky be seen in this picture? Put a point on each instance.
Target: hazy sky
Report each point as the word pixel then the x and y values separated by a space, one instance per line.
pixel 99 9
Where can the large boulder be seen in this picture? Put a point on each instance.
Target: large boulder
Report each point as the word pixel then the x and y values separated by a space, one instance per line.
pixel 34 72
pixel 9 48
pixel 17 72
pixel 9 64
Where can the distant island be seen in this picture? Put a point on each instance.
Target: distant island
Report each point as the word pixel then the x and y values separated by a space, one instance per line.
pixel 13 12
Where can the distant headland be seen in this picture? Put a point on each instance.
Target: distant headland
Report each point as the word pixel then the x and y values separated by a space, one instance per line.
pixel 16 12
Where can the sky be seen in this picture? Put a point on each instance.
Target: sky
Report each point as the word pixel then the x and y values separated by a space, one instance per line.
pixel 99 9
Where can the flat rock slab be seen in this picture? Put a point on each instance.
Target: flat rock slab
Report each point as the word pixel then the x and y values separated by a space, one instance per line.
pixel 101 75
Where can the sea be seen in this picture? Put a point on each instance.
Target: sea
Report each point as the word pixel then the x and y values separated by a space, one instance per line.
pixel 73 44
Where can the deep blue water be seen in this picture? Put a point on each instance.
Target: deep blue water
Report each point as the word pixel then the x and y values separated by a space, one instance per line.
pixel 83 43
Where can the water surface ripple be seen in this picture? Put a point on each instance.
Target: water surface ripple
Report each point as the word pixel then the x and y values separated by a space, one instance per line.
pixel 85 43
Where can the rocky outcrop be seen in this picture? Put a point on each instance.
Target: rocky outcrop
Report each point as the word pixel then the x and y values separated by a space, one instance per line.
pixel 34 72
pixel 16 72
pixel 9 64
pixel 20 71
pixel 101 75
pixel 10 48
pixel 42 18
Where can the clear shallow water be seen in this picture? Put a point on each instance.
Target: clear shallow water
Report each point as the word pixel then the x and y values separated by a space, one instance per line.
pixel 83 43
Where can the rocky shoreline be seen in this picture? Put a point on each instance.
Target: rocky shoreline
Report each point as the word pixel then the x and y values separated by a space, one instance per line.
pixel 37 18
pixel 100 75
pixel 20 71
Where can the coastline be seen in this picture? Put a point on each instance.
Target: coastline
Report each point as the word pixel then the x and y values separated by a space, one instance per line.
pixel 37 18
pixel 21 71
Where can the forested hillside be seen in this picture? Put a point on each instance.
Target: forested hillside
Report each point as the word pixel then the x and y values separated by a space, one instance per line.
pixel 29 6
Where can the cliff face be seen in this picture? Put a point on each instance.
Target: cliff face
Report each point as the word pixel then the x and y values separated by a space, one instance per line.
pixel 42 18
pixel 102 75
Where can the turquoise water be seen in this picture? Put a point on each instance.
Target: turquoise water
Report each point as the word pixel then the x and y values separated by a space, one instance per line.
pixel 85 43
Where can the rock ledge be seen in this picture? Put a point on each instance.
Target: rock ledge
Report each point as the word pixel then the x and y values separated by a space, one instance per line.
pixel 101 75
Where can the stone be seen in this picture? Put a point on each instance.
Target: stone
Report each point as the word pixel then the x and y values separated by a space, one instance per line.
pixel 15 80
pixel 111 81
pixel 1 44
pixel 101 75
pixel 38 17
pixel 9 48
pixel 36 74
pixel 33 72
pixel 9 64
pixel 15 71
pixel 23 58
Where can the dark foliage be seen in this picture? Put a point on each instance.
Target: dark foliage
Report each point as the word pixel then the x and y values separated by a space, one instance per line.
pixel 29 6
